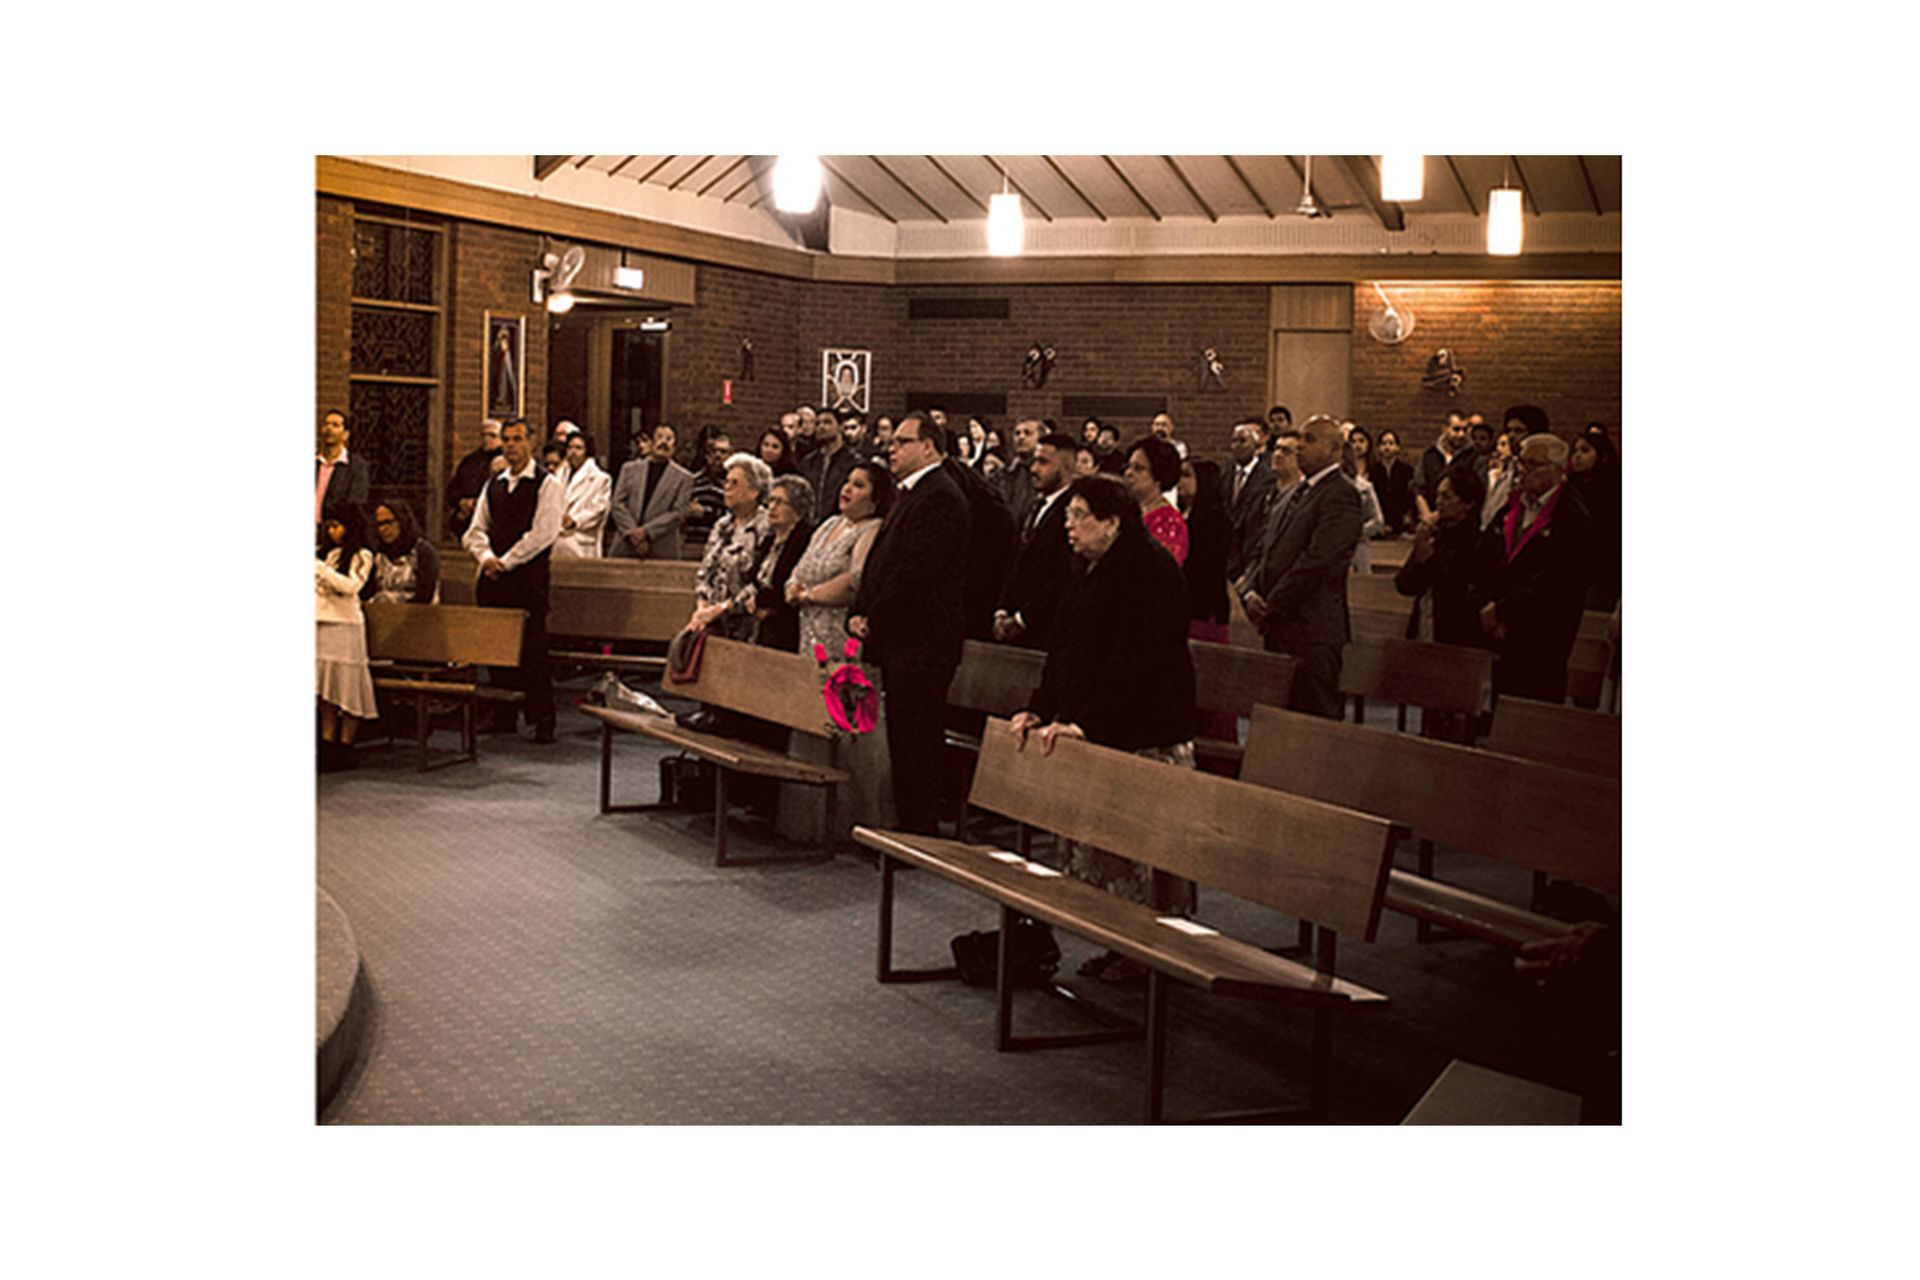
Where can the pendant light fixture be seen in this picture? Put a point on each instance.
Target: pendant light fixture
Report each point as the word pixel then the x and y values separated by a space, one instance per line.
pixel 1504 231
pixel 1006 227
pixel 1402 177
pixel 796 183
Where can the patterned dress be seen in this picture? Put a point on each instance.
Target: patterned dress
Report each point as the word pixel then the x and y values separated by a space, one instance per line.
pixel 838 546
pixel 1169 529
pixel 726 572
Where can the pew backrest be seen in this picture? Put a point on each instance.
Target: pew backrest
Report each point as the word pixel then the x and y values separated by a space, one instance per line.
pixel 998 679
pixel 1233 680
pixel 1314 861
pixel 1439 677
pixel 1543 817
pixel 767 684
pixel 1566 736
pixel 443 633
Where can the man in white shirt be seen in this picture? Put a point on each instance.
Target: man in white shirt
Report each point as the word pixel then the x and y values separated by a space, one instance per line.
pixel 589 497
pixel 512 535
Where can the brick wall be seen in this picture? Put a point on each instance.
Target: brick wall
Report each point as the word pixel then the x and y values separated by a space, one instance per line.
pixel 333 305
pixel 1554 345
pixel 489 270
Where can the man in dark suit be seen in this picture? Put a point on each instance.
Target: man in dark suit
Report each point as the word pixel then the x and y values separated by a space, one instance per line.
pixel 339 482
pixel 1297 595
pixel 1538 559
pixel 649 502
pixel 832 458
pixel 1045 562
pixel 1015 481
pixel 909 613
pixel 992 540
pixel 1247 488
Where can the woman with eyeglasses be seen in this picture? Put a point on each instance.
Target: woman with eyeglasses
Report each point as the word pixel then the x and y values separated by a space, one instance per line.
pixel 723 587
pixel 406 567
pixel 1118 674
pixel 789 525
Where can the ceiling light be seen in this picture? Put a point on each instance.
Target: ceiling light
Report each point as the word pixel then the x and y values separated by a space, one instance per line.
pixel 1504 233
pixel 1402 177
pixel 1006 228
pixel 796 183
pixel 560 303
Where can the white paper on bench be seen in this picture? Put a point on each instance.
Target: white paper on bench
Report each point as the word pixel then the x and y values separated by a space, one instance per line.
pixel 1006 855
pixel 1188 927
pixel 1040 870
pixel 1014 859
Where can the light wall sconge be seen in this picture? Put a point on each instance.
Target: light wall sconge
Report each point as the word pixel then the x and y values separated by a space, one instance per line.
pixel 1006 227
pixel 626 277
pixel 1403 177
pixel 560 303
pixel 1504 231
pixel 796 183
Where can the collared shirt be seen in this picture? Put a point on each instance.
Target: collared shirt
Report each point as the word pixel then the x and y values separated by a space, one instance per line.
pixel 1243 473
pixel 546 519
pixel 1322 474
pixel 324 477
pixel 914 479
pixel 1530 508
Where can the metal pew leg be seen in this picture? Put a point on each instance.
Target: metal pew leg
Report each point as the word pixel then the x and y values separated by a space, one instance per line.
pixel 884 970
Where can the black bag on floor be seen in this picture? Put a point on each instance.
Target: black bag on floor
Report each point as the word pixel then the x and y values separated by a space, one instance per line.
pixel 686 782
pixel 1033 955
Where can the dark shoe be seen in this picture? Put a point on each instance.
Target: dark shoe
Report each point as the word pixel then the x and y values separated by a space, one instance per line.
pixel 324 757
pixel 543 733
pixel 344 757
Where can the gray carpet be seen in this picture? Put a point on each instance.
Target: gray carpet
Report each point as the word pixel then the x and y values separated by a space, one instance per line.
pixel 532 961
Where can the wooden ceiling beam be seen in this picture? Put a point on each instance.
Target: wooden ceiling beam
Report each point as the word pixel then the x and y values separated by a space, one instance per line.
pixel 881 165
pixel 864 197
pixel 1593 192
pixel 959 186
pixel 1391 216
pixel 1526 188
pixel 1211 215
pixel 689 173
pixel 1073 186
pixel 754 174
pixel 1118 173
pixel 664 162
pixel 1461 183
pixel 719 177
pixel 1248 184
pixel 1015 184
pixel 545 166
pixel 624 162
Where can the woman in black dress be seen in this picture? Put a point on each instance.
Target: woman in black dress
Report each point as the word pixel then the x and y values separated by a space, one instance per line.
pixel 1441 563
pixel 1118 673
pixel 1593 469
pixel 1392 483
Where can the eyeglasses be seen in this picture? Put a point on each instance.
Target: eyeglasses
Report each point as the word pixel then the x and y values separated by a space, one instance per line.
pixel 898 440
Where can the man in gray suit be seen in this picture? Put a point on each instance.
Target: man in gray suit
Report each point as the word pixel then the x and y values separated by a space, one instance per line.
pixel 1297 594
pixel 650 500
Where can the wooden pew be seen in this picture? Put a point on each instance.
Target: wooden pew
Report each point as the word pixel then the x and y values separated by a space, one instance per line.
pixel 1376 591
pixel 1000 679
pixel 1565 736
pixel 784 688
pixel 1446 679
pixel 1556 821
pixel 1388 554
pixel 645 601
pixel 1310 860
pixel 432 651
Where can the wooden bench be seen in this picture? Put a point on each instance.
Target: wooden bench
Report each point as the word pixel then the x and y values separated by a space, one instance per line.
pixel 1000 679
pixel 1388 554
pixel 1550 820
pixel 1566 736
pixel 1296 856
pixel 1447 679
pixel 783 688
pixel 432 651
pixel 641 601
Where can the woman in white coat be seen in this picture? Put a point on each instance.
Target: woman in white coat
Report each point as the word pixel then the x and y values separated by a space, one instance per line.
pixel 345 684
pixel 589 497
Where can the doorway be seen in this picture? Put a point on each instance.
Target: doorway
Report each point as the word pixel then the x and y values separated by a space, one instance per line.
pixel 638 356
pixel 606 370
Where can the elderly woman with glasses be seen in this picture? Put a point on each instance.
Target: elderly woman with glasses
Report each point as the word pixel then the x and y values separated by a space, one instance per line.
pixel 789 526
pixel 724 586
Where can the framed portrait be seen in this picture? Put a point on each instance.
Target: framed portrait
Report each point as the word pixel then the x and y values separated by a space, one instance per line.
pixel 506 389
pixel 844 379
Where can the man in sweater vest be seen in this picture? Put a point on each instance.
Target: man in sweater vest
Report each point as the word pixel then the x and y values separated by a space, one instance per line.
pixel 512 535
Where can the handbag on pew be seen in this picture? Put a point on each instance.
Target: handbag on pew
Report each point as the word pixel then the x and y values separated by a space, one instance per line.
pixel 683 655
pixel 1033 956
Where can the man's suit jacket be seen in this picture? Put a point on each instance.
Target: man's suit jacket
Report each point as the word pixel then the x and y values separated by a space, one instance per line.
pixel 347 486
pixel 662 516
pixel 913 590
pixel 1014 484
pixel 1303 569
pixel 1042 568
pixel 1248 513
pixel 1539 594
pixel 827 475
pixel 992 539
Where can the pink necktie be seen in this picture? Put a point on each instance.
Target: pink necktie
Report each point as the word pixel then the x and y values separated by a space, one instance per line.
pixel 320 490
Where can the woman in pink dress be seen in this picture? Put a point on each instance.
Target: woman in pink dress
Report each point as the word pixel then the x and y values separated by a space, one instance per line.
pixel 1152 472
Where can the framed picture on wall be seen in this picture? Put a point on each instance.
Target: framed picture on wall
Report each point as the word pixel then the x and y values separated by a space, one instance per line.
pixel 844 379
pixel 506 389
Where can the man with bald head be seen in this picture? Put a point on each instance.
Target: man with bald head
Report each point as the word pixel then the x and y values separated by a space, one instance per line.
pixel 1015 480
pixel 1537 558
pixel 1297 593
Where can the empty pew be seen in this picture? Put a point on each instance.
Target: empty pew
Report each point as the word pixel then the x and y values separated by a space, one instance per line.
pixel 782 688
pixel 1550 820
pixel 433 652
pixel 639 601
pixel 1566 736
pixel 1445 679
pixel 1307 859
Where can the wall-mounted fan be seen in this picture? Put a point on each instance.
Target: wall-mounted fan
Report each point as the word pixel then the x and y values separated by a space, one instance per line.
pixel 557 271
pixel 1392 324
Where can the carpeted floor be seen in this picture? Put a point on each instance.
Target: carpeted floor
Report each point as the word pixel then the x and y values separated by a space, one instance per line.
pixel 532 961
